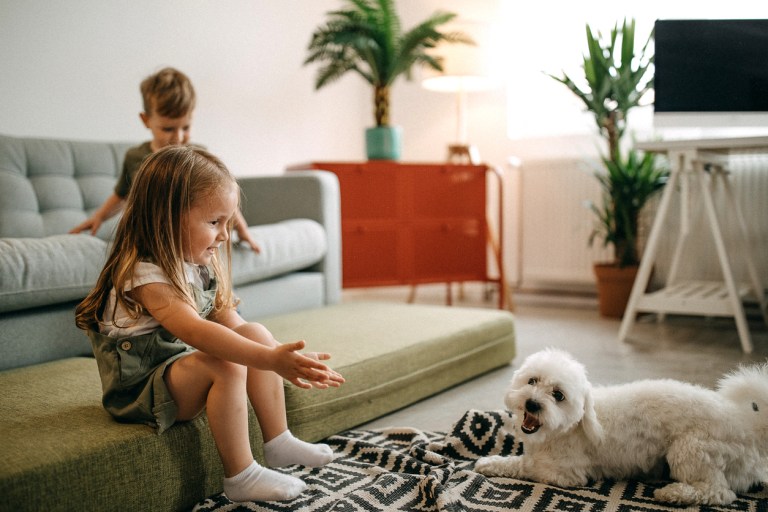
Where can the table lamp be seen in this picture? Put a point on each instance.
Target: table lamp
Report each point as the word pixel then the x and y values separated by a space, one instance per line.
pixel 465 69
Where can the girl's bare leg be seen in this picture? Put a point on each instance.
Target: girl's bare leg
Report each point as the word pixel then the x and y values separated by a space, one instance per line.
pixel 265 388
pixel 267 396
pixel 199 380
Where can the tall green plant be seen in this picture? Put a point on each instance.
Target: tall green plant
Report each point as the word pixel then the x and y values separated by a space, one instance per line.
pixel 616 80
pixel 366 38
pixel 617 77
pixel 627 185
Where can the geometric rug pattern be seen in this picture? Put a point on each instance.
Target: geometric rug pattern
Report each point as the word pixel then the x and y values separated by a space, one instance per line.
pixel 405 469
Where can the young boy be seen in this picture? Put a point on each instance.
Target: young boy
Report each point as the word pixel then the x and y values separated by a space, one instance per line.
pixel 169 101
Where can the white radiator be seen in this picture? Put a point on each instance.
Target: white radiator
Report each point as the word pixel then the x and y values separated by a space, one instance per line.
pixel 554 225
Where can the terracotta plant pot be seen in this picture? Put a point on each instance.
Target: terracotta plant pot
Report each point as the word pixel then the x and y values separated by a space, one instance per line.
pixel 614 285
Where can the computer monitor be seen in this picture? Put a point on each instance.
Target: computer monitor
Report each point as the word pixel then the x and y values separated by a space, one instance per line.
pixel 711 73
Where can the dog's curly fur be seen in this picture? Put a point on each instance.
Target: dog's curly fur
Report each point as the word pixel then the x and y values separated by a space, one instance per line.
pixel 713 443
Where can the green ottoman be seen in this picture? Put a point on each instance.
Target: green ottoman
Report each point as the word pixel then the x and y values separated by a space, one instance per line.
pixel 391 356
pixel 61 451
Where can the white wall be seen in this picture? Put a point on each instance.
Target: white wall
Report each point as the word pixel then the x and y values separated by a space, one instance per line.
pixel 72 70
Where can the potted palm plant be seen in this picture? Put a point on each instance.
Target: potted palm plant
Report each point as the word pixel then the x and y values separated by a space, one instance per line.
pixel 617 79
pixel 366 37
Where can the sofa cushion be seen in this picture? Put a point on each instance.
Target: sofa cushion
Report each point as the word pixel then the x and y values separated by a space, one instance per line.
pixel 49 186
pixel 391 355
pixel 41 271
pixel 285 246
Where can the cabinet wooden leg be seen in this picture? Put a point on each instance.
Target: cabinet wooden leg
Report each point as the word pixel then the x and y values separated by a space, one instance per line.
pixel 505 295
pixel 412 294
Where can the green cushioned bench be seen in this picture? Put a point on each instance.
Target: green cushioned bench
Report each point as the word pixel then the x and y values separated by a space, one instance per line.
pixel 62 451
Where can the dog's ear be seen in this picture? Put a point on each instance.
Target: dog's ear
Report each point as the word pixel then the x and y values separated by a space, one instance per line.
pixel 589 422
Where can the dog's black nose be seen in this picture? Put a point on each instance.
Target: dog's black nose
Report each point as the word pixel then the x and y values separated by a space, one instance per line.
pixel 532 405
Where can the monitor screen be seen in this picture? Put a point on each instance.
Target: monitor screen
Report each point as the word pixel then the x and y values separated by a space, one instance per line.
pixel 711 66
pixel 710 78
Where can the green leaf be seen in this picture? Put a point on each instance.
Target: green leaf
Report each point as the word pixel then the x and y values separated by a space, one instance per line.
pixel 366 37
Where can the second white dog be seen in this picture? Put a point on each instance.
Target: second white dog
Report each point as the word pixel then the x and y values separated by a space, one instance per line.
pixel 713 442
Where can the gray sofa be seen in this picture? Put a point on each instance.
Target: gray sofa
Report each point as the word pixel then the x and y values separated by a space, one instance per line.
pixel 49 186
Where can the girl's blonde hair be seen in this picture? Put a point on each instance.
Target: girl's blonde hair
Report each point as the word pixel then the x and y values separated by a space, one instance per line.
pixel 168 184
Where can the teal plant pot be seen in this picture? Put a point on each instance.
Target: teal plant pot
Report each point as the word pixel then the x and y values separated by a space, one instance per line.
pixel 383 142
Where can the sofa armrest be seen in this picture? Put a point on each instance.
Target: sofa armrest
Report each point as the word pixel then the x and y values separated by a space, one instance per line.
pixel 301 194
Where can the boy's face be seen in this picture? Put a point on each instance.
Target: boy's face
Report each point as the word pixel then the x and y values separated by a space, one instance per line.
pixel 167 131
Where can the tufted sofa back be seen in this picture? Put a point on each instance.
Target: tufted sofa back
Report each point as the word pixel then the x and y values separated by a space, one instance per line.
pixel 49 186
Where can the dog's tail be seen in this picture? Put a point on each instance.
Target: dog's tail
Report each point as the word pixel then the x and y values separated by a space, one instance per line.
pixel 748 388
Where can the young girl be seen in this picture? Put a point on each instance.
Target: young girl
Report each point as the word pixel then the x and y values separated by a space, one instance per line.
pixel 168 340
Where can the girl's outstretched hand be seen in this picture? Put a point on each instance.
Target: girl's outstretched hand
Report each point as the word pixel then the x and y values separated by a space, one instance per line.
pixel 305 370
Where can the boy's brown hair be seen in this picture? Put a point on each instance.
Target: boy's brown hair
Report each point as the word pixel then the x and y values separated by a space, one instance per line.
pixel 169 93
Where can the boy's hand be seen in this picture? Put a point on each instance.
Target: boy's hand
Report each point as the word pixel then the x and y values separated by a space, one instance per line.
pixel 93 224
pixel 245 238
pixel 305 371
pixel 241 226
pixel 109 208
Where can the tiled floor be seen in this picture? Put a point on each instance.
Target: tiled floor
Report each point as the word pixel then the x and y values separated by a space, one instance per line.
pixel 694 349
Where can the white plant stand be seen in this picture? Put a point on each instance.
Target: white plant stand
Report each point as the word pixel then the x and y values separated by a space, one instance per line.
pixel 697 165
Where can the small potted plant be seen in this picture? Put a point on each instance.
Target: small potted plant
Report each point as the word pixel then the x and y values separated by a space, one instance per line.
pixel 617 78
pixel 366 37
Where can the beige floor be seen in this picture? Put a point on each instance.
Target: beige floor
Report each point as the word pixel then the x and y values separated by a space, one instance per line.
pixel 694 349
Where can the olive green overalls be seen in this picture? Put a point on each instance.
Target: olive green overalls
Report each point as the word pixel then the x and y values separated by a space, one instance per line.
pixel 132 369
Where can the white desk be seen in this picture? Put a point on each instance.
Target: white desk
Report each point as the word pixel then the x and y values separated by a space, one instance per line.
pixel 698 164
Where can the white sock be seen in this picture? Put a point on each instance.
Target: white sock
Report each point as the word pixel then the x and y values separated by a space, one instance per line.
pixel 257 483
pixel 285 450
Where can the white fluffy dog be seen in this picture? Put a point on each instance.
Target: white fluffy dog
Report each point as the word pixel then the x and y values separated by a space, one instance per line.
pixel 712 442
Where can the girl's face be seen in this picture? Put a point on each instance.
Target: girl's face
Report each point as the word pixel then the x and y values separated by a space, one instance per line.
pixel 205 227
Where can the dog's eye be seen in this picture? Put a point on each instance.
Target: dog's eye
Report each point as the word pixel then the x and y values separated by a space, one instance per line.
pixel 558 395
pixel 532 381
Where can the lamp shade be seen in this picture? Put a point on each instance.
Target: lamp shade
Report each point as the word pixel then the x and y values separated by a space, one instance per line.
pixel 457 83
pixel 466 67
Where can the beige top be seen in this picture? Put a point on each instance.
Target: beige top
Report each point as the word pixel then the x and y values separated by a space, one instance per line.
pixel 117 323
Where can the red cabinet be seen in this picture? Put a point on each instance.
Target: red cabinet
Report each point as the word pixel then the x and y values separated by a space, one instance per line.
pixel 411 223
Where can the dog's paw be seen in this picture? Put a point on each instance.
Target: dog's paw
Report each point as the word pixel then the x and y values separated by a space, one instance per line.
pixel 497 465
pixel 487 465
pixel 686 494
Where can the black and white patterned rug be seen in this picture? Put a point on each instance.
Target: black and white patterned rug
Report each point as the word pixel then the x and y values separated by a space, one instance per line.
pixel 404 469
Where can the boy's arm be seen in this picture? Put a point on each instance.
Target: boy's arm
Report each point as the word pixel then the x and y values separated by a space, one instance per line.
pixel 110 207
pixel 241 226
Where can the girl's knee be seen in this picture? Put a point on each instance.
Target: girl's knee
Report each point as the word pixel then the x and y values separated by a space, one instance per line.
pixel 219 368
pixel 256 332
pixel 230 370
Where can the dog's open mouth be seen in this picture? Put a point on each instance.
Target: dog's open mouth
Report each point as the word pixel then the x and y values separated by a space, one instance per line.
pixel 530 423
